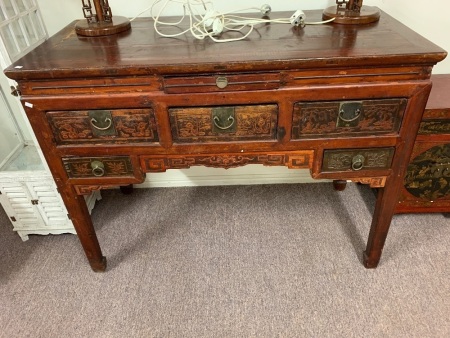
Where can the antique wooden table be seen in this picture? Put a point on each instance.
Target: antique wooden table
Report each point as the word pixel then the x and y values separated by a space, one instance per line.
pixel 344 101
pixel 427 180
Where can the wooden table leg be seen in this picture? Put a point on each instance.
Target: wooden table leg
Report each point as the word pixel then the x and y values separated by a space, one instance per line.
pixel 126 189
pixel 81 219
pixel 387 199
pixel 388 196
pixel 339 185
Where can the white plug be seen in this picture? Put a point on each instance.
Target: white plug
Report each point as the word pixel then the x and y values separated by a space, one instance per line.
pixel 217 27
pixel 265 9
pixel 209 17
pixel 298 18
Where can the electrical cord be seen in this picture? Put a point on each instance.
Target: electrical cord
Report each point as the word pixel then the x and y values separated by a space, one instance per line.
pixel 206 22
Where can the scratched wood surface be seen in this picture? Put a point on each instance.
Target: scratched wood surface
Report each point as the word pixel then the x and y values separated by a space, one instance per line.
pixel 272 46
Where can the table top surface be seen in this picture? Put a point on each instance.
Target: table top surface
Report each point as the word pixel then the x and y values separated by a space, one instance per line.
pixel 440 93
pixel 140 51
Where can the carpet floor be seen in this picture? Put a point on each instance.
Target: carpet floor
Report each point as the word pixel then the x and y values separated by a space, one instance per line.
pixel 231 261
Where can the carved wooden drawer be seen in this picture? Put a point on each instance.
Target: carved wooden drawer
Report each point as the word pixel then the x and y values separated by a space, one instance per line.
pixel 357 159
pixel 209 124
pixel 88 167
pixel 103 126
pixel 347 118
pixel 217 83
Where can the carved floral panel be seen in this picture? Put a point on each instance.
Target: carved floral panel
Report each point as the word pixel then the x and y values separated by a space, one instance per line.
pixel 112 166
pixel 428 174
pixel 294 160
pixel 341 160
pixel 131 125
pixel 252 122
pixel 314 119
pixel 428 127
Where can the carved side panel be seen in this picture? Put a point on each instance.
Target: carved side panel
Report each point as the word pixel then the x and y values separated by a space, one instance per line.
pixel 255 122
pixel 429 127
pixel 294 160
pixel 428 174
pixel 131 125
pixel 314 119
pixel 373 182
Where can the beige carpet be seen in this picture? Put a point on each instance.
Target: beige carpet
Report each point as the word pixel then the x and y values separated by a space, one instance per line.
pixel 235 261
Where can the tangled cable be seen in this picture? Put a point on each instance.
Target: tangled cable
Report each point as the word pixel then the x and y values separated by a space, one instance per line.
pixel 206 22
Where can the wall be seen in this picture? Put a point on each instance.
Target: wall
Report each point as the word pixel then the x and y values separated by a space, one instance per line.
pixel 429 20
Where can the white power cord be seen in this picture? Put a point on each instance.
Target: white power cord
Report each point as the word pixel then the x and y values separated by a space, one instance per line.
pixel 206 22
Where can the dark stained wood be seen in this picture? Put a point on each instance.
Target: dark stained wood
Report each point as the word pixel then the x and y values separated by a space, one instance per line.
pixel 277 47
pixel 99 20
pixel 127 189
pixel 162 96
pixel 339 185
pixel 439 96
pixel 118 25
pixel 427 181
pixel 352 13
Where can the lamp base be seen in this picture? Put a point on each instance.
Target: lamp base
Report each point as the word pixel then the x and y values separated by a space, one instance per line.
pixel 346 17
pixel 118 24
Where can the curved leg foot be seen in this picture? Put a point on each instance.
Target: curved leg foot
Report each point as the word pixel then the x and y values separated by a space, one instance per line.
pixel 339 185
pixel 126 189
pixel 370 263
pixel 98 266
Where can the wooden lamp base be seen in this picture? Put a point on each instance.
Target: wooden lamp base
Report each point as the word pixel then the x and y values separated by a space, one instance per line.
pixel 348 17
pixel 117 25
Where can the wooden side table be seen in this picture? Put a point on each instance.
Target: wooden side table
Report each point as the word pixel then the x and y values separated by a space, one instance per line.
pixel 427 181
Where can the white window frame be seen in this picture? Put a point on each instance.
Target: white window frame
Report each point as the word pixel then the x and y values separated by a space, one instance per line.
pixel 33 10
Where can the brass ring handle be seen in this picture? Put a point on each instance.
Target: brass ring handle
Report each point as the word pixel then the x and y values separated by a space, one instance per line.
pixel 98 168
pixel 358 162
pixel 216 120
pixel 357 113
pixel 107 120
pixel 221 82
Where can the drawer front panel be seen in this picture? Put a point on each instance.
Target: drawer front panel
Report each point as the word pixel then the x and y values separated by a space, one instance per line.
pixel 219 83
pixel 347 118
pixel 209 124
pixel 357 159
pixel 89 167
pixel 431 127
pixel 103 126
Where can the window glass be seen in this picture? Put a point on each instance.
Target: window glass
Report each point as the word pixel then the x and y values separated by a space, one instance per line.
pixel 2 15
pixel 21 26
pixel 20 6
pixel 28 26
pixel 9 9
pixel 18 33
pixel 34 16
pixel 9 42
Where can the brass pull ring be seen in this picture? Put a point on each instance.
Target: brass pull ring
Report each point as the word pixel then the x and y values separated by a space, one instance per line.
pixel 357 113
pixel 216 120
pixel 221 82
pixel 358 162
pixel 98 168
pixel 107 120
